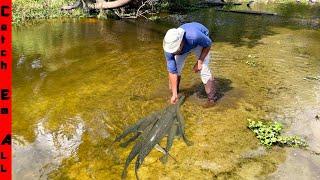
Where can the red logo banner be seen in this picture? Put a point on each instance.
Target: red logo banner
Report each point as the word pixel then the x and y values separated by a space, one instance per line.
pixel 5 89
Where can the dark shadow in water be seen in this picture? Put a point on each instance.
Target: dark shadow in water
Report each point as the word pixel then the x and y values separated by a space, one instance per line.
pixel 223 85
pixel 298 10
pixel 246 29
pixel 236 29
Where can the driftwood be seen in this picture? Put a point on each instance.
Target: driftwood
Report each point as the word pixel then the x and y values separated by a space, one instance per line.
pixel 249 12
pixel 109 5
pixel 136 8
pixel 201 4
pixel 99 4
pixel 73 6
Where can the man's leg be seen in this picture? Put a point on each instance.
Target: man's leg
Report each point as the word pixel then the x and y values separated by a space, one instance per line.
pixel 206 76
pixel 210 89
pixel 179 79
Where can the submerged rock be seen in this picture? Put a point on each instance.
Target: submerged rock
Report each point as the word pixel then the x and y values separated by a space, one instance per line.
pixel 260 151
pixel 21 60
pixel 208 165
pixel 36 64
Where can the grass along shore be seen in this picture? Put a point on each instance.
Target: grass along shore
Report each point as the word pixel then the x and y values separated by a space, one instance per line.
pixel 25 10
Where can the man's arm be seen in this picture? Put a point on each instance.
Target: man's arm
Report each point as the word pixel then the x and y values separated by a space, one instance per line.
pixel 204 53
pixel 198 66
pixel 173 76
pixel 204 41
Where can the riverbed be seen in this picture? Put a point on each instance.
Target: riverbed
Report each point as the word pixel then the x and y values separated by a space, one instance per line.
pixel 78 83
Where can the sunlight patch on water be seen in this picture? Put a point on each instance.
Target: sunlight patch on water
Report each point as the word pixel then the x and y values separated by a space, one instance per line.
pixel 35 160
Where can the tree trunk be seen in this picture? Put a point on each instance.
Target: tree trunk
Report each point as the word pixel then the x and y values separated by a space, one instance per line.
pixel 110 4
pixel 100 4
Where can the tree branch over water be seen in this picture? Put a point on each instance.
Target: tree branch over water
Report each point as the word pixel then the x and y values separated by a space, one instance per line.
pixel 122 8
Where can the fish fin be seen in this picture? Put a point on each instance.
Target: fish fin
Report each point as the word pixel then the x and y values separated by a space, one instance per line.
pixel 164 159
pixel 125 144
pixel 181 129
pixel 188 142
pixel 129 130
pixel 133 128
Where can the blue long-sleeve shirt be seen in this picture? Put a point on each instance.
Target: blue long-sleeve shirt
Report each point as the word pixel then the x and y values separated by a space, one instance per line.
pixel 195 35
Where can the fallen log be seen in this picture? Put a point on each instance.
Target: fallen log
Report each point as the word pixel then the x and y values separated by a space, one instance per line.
pixel 75 5
pixel 99 4
pixel 109 4
pixel 249 12
pixel 210 4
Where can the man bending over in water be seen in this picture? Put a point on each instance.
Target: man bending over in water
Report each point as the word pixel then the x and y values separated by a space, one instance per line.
pixel 177 45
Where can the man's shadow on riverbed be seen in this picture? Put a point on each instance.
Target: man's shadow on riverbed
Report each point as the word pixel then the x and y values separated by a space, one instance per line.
pixel 223 85
pixel 194 92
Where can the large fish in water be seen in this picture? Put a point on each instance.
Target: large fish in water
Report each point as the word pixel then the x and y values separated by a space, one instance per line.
pixel 141 126
pixel 169 124
pixel 151 130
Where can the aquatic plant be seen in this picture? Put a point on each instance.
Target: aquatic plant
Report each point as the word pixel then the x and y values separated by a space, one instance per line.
pixel 269 134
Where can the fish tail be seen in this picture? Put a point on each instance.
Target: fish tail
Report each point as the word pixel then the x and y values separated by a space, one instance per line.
pixel 124 174
pixel 125 169
pixel 136 168
pixel 129 130
pixel 125 144
pixel 136 172
pixel 164 159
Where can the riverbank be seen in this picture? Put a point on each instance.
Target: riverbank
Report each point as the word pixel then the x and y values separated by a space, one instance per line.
pixel 29 10
pixel 26 10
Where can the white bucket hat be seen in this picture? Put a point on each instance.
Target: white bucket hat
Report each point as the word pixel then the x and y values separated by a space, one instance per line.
pixel 172 40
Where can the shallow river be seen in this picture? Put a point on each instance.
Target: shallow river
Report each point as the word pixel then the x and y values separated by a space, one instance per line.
pixel 78 83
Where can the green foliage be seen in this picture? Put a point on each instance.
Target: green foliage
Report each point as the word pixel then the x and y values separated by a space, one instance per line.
pixel 154 18
pixel 164 5
pixel 24 10
pixel 269 134
pixel 299 10
pixel 179 5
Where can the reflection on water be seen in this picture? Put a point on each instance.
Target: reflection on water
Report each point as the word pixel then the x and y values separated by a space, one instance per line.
pixel 111 73
pixel 35 160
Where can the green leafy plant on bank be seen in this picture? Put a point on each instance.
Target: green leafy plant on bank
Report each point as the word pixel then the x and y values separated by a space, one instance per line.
pixel 24 10
pixel 269 134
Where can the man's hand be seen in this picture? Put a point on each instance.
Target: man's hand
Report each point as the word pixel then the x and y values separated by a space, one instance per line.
pixel 198 66
pixel 174 99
